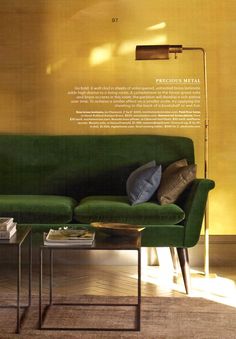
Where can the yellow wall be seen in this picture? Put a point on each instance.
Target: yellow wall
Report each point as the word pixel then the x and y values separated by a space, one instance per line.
pixel 48 46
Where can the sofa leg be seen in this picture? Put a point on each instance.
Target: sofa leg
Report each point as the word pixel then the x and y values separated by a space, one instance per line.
pixel 175 262
pixel 184 264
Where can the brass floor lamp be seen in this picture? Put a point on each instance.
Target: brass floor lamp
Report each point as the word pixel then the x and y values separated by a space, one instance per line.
pixel 162 52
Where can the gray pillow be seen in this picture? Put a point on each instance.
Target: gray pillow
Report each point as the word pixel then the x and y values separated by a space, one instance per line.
pixel 143 182
pixel 175 179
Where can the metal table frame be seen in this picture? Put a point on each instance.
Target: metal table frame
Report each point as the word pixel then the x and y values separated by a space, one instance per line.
pixel 17 241
pixel 43 309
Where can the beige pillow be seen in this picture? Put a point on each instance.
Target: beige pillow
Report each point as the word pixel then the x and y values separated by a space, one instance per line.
pixel 175 179
pixel 174 167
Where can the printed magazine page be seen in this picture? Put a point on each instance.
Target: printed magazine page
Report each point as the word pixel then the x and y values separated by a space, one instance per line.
pixel 118 112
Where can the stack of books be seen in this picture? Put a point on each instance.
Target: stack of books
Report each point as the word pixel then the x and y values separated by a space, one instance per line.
pixel 69 237
pixel 7 228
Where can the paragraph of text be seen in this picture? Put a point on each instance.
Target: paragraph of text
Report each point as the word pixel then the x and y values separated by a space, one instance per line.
pixel 160 106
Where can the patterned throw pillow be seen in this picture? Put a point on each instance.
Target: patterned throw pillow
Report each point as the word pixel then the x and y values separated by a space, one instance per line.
pixel 175 179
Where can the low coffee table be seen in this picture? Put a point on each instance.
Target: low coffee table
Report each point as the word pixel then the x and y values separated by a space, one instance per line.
pixel 16 241
pixel 101 243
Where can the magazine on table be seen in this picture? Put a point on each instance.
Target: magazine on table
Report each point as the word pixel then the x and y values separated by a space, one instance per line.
pixel 69 237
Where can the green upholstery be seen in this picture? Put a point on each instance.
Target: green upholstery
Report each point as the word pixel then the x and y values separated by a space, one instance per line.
pixel 163 236
pixel 79 166
pixel 38 208
pixel 44 178
pixel 118 209
pixel 193 202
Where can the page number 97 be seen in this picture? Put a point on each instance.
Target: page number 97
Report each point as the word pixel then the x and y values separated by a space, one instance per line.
pixel 114 20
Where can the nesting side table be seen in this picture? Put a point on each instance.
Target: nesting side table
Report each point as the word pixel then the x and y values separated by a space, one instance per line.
pixel 16 241
pixel 110 244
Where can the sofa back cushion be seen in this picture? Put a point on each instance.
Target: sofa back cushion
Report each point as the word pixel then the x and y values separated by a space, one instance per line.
pixel 78 166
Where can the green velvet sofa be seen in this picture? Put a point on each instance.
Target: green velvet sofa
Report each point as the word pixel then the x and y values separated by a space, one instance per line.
pixel 49 180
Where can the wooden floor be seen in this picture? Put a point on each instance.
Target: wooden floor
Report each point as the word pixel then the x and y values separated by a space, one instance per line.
pixel 122 280
pixel 212 301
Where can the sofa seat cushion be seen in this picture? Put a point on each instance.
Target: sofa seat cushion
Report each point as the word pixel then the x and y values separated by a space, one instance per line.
pixel 37 208
pixel 118 209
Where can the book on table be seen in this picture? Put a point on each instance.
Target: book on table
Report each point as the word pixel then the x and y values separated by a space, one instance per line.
pixel 5 223
pixel 69 237
pixel 9 232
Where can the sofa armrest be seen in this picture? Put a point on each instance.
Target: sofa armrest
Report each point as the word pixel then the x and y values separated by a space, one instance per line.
pixel 193 202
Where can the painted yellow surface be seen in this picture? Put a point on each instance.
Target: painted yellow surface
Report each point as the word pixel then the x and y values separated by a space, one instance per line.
pixel 50 46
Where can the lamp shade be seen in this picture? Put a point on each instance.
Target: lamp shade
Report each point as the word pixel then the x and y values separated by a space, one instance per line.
pixel 156 52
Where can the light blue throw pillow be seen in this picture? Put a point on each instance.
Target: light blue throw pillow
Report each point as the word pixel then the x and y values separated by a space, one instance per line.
pixel 143 182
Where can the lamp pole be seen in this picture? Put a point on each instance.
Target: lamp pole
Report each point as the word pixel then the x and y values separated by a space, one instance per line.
pixel 161 52
pixel 206 153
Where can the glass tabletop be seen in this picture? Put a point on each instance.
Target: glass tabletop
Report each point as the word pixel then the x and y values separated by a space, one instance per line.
pixel 105 242
pixel 18 237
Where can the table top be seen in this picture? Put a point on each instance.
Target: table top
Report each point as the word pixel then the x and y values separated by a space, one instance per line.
pixel 18 238
pixel 104 242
